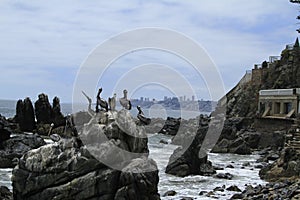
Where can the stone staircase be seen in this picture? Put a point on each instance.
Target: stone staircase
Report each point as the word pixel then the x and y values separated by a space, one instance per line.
pixel 293 137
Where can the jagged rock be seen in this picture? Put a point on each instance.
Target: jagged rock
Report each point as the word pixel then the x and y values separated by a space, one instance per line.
pixel 234 188
pixel 288 165
pixel 5 194
pixel 184 162
pixel 105 168
pixel 25 115
pixel 227 176
pixel 43 110
pixel 169 193
pixel 5 130
pixel 138 180
pixel 16 146
pixel 171 126
pixel 57 117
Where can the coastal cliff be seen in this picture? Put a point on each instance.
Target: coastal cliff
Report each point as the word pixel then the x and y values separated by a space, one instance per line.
pixel 278 73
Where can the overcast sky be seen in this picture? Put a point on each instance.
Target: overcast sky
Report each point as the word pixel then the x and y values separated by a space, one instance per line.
pixel 44 43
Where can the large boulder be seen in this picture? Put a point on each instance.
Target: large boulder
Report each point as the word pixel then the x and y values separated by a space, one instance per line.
pixel 191 160
pixel 25 115
pixel 112 164
pixel 43 110
pixel 171 126
pixel 17 146
pixel 5 194
pixel 57 117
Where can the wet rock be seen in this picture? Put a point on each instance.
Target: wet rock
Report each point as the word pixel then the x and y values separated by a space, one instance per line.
pixel 162 141
pixel 16 146
pixel 5 194
pixel 230 166
pixel 237 196
pixel 170 193
pixel 43 110
pixel 227 176
pixel 246 164
pixel 279 190
pixel 209 194
pixel 186 198
pixel 218 189
pixel 192 160
pixel 234 188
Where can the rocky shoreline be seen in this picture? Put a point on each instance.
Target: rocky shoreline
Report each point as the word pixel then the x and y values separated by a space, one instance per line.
pixel 69 168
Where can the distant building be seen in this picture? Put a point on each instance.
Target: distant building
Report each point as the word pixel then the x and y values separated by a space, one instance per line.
pixel 142 99
pixel 181 98
pixel 193 98
pixel 279 103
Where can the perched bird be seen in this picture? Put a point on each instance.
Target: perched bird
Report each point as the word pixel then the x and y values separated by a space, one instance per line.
pixel 51 127
pixel 101 102
pixel 144 120
pixel 125 102
pixel 112 102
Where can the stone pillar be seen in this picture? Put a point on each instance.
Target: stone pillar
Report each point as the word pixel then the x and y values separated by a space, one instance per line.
pixel 281 108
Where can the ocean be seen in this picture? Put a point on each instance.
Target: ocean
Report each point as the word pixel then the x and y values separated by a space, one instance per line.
pixel 189 186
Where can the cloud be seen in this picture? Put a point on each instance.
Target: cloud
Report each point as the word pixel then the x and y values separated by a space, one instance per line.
pixel 40 40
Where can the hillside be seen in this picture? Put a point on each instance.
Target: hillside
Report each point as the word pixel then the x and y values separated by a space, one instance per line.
pixel 278 73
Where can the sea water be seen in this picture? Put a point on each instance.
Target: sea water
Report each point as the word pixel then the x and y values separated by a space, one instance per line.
pixel 189 186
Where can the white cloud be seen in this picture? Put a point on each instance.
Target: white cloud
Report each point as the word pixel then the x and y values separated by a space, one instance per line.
pixel 41 37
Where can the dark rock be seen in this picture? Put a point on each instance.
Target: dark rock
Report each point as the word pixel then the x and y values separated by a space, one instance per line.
pixel 218 189
pixel 43 110
pixel 227 176
pixel 192 160
pixel 246 164
pixel 104 168
pixel 222 146
pixel 162 141
pixel 57 117
pixel 5 130
pixel 170 193
pixel 171 126
pixel 5 194
pixel 218 168
pixel 230 166
pixel 252 139
pixel 234 188
pixel 288 165
pixel 186 198
pixel 25 115
pixel 209 194
pixel 242 149
pixel 237 196
pixel 273 156
pixel 16 146
pixel 202 193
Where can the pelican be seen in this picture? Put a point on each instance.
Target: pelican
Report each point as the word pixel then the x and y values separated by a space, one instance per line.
pixel 112 102
pixel 101 102
pixel 125 102
pixel 144 120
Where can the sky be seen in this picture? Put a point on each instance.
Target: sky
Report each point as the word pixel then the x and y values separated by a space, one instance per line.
pixel 45 45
